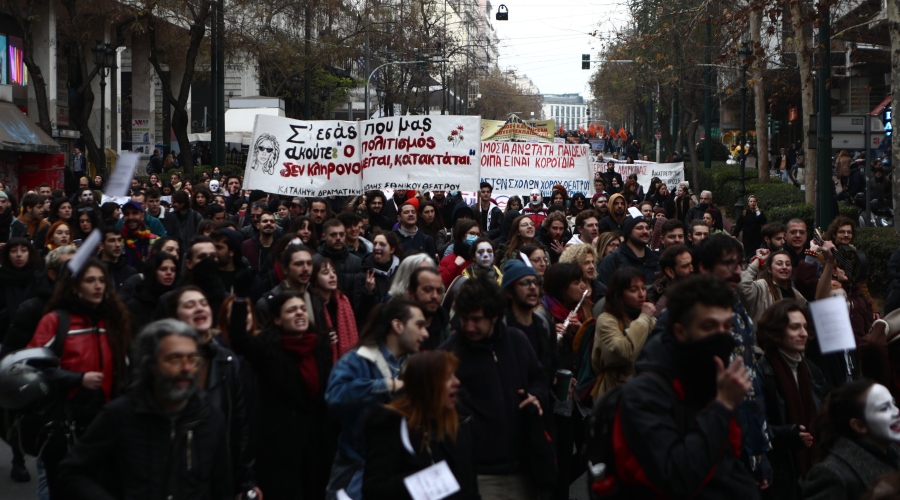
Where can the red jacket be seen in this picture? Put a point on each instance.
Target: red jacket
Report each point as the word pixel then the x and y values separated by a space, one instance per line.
pixel 86 348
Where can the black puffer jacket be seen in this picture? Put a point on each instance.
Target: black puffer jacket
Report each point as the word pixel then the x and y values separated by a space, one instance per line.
pixel 133 450
pixel 16 286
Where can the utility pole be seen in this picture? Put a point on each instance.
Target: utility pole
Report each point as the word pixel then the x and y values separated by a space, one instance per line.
pixel 707 99
pixel 822 179
pixel 893 25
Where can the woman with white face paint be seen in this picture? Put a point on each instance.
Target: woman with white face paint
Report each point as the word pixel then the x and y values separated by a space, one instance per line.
pixel 857 432
pixel 794 389
pixel 482 257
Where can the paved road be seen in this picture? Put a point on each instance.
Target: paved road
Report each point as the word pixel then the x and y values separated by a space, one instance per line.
pixel 11 490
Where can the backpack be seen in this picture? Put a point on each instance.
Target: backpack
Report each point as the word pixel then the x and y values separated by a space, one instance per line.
pixel 599 455
pixel 588 382
pixel 35 427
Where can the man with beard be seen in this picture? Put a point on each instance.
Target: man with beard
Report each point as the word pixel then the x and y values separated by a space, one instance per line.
pixel 487 214
pixel 677 421
pixel 427 288
pixel 233 187
pixel 600 201
pixel 186 219
pixel 10 226
pixel 502 380
pixel 634 253
pixel 32 213
pixel 259 249
pixel 772 236
pixel 611 174
pixel 444 206
pixel 136 236
pixel 237 276
pixel 297 265
pixel 588 226
pixel 672 232
pixel 675 263
pixel 615 218
pixel 411 238
pixel 346 265
pixel 111 255
pixel 319 212
pixel 721 256
pixel 160 439
pixel 697 232
pixel 201 268
pixel 375 201
pixel 535 208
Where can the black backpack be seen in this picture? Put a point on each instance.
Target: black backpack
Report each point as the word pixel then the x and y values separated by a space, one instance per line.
pixel 36 426
pixel 599 453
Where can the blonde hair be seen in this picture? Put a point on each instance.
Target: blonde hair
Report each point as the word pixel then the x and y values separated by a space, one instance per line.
pixel 576 254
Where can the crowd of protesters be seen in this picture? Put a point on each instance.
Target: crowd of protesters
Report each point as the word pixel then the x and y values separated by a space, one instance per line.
pixel 224 343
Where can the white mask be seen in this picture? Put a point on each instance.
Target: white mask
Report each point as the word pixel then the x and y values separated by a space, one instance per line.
pixel 882 415
pixel 484 255
pixel 535 197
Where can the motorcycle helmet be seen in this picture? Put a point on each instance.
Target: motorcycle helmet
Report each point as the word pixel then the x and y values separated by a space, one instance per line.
pixel 22 380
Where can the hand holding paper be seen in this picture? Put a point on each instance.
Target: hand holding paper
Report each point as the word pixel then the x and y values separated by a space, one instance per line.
pixel 832 320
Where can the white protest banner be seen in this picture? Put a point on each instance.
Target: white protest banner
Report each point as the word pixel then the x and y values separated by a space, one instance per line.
pixel 421 152
pixel 120 181
pixel 304 158
pixel 515 168
pixel 670 173
pixel 832 320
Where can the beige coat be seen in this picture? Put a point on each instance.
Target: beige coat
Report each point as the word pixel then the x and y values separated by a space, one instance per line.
pixel 755 294
pixel 616 351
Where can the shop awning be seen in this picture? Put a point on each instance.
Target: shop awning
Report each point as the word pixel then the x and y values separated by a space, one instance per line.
pixel 18 133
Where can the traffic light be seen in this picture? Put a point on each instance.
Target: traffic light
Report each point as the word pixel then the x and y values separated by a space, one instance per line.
pixel 776 126
pixel 585 61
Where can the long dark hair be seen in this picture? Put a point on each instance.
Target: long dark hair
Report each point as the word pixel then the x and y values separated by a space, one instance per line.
pixel 93 212
pixel 113 310
pixel 436 225
pixel 153 262
pixel 297 223
pixel 842 404
pixel 558 277
pixel 515 240
pixel 55 206
pixel 619 282
pixel 422 400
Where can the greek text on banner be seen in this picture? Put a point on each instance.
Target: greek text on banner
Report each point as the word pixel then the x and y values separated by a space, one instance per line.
pixel 518 167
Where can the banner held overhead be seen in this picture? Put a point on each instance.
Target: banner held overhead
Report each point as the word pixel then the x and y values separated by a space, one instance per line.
pixel 518 167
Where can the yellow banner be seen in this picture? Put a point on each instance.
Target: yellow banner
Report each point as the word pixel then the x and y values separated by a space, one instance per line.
pixel 516 129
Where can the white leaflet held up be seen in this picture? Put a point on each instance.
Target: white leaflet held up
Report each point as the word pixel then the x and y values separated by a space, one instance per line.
pixel 120 180
pixel 832 320
pixel 433 483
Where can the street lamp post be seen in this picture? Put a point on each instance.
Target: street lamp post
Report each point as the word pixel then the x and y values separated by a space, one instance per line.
pixel 744 54
pixel 105 60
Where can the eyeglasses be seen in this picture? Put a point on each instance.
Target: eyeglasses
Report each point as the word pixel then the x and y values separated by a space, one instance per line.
pixel 267 150
pixel 535 260
pixel 193 361
pixel 525 283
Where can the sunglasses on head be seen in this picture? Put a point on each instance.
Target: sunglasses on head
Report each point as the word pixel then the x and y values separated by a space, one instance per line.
pixel 85 210
pixel 267 150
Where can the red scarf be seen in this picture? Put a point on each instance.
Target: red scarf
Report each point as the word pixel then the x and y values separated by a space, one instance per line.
pixel 346 326
pixel 304 348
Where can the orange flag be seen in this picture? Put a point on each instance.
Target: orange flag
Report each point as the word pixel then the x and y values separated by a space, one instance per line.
pixel 622 134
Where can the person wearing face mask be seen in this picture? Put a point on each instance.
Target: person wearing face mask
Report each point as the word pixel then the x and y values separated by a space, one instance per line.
pixel 482 257
pixel 757 294
pixel 464 235
pixel 858 436
pixel 794 389
pixel 676 421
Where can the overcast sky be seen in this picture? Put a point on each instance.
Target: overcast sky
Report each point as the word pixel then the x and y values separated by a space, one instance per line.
pixel 545 39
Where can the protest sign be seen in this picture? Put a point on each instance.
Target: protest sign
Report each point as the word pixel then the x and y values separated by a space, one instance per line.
pixel 437 152
pixel 518 167
pixel 304 158
pixel 670 173
pixel 517 129
pixel 832 320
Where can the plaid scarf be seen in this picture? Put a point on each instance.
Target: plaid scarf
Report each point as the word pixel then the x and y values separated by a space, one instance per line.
pixel 137 244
